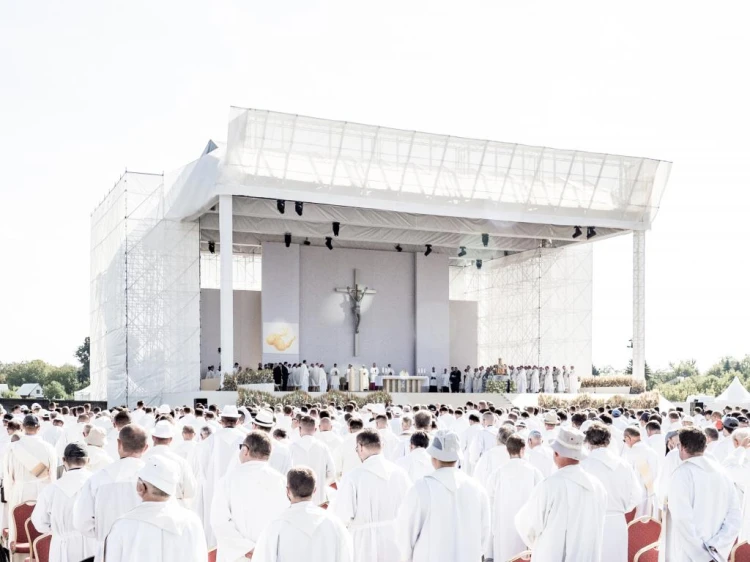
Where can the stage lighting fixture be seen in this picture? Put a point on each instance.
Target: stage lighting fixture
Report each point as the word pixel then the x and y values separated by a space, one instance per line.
pixel 280 206
pixel 399 248
pixel 298 207
pixel 485 239
pixel 478 264
pixel 428 249
pixel 288 239
pixel 336 226
pixel 306 242
pixel 577 232
pixel 590 232
pixel 329 242
pixel 212 246
pixel 462 252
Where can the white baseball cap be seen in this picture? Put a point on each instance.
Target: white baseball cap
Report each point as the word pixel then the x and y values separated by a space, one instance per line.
pixel 445 446
pixel 162 473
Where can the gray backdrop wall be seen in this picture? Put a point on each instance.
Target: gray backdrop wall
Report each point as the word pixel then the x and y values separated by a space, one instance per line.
pixel 281 290
pixel 432 312
pixel 463 333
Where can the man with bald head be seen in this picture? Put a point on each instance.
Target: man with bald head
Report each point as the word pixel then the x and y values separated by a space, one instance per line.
pixel 111 492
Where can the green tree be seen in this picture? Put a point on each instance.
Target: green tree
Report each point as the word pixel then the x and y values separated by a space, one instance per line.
pixel 17 374
pixel 594 371
pixel 54 391
pixel 82 354
pixel 66 375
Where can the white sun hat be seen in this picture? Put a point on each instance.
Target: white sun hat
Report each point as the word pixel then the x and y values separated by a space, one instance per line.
pixel 162 473
pixel 230 411
pixel 163 430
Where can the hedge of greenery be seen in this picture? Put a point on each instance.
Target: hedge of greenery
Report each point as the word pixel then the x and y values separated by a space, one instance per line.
pixel 639 402
pixel 247 376
pixel 637 386
pixel 300 398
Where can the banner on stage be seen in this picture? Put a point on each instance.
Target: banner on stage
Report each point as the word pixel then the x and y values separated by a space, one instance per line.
pixel 280 337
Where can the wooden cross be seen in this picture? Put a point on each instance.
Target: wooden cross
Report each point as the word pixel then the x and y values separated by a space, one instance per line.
pixel 356 294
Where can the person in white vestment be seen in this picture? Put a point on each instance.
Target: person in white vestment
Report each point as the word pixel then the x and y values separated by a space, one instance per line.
pixel 187 446
pixel 345 457
pixel 53 512
pixel 572 381
pixel 494 458
pixel 509 487
pixel 645 463
pixel 534 386
pixel 326 434
pixel 247 498
pixel 111 492
pixel 368 500
pixel 96 438
pixel 549 383
pixel 624 489
pixel 564 517
pixel 54 432
pixel 304 377
pixel 304 531
pixel 485 440
pixel 30 465
pixel 281 455
pixel 187 487
pixel 703 508
pixel 334 377
pixel 725 445
pixel 157 529
pixel 540 455
pixel 391 443
pixel 310 451
pixel 445 516
pixel 120 420
pixel 521 383
pixel 322 378
pixel 468 437
pixel 417 463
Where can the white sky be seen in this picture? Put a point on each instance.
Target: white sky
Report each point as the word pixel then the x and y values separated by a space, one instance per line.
pixel 88 88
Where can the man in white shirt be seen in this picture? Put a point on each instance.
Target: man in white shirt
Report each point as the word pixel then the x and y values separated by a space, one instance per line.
pixel 304 531
pixel 703 509
pixel 445 516
pixel 246 499
pixel 111 492
pixel 417 463
pixel 310 451
pixel 53 512
pixel 157 529
pixel 645 463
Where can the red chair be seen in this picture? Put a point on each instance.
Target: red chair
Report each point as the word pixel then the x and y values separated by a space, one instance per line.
pixel 524 556
pixel 212 555
pixel 629 516
pixel 31 532
pixel 19 516
pixel 642 533
pixel 648 554
pixel 41 548
pixel 740 552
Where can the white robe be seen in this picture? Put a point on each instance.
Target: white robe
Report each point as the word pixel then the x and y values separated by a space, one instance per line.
pixel 509 488
pixel 98 458
pixel 564 517
pixel 281 457
pixel 367 502
pixel 645 463
pixel 334 379
pixel 492 460
pixel 330 439
pixel 573 382
pixel 534 381
pixel 542 458
pixel 703 506
pixel 345 457
pixel 417 464
pixel 391 444
pixel 247 498
pixel 624 492
pixel 312 452
pixel 107 495
pixel 521 384
pixel 375 377
pixel 549 384
pixel 187 487
pixel 484 441
pixel 304 532
pixel 53 513
pixel 322 380
pixel 157 532
pixel 304 378
pixel 445 517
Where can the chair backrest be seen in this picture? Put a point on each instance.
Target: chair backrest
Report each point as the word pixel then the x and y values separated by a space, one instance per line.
pixel 629 516
pixel 524 556
pixel 649 553
pixel 31 532
pixel 740 552
pixel 642 532
pixel 22 513
pixel 212 555
pixel 41 548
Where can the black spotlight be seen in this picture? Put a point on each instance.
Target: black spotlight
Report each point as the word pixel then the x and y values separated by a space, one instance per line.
pixel 212 246
pixel 478 264
pixel 399 248
pixel 590 232
pixel 280 206
pixel 306 242
pixel 462 253
pixel 577 232
pixel 329 242
pixel 298 207
pixel 485 239
pixel 288 239
pixel 428 249
pixel 336 226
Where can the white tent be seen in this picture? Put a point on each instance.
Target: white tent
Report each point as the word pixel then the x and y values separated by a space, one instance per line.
pixel 735 394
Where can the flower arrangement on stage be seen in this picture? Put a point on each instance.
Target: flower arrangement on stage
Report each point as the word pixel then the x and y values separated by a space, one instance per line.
pixel 499 387
pixel 639 402
pixel 637 386
pixel 300 398
pixel 247 376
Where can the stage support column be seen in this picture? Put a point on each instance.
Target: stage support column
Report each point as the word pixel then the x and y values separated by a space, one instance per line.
pixel 639 304
pixel 226 286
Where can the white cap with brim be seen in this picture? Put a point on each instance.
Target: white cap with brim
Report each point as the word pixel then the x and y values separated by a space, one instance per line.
pixel 264 418
pixel 162 473
pixel 445 446
pixel 163 430
pixel 230 411
pixel 569 444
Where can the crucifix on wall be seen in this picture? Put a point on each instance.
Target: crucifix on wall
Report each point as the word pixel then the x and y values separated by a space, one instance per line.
pixel 356 295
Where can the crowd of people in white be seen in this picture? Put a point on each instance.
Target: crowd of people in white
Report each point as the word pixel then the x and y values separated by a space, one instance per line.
pixel 378 484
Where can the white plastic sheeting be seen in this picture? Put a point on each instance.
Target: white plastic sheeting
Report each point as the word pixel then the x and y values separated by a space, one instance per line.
pixel 534 308
pixel 145 321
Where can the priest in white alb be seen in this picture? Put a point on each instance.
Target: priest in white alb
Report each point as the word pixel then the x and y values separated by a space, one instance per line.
pixel 645 463
pixel 368 499
pixel 417 463
pixel 247 498
pixel 157 530
pixel 495 457
pixel 310 451
pixel 304 531
pixel 162 438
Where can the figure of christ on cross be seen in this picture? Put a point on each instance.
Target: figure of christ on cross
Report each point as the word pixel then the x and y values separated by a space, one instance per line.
pixel 356 294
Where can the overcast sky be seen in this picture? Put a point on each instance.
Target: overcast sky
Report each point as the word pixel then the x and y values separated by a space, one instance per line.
pixel 90 88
